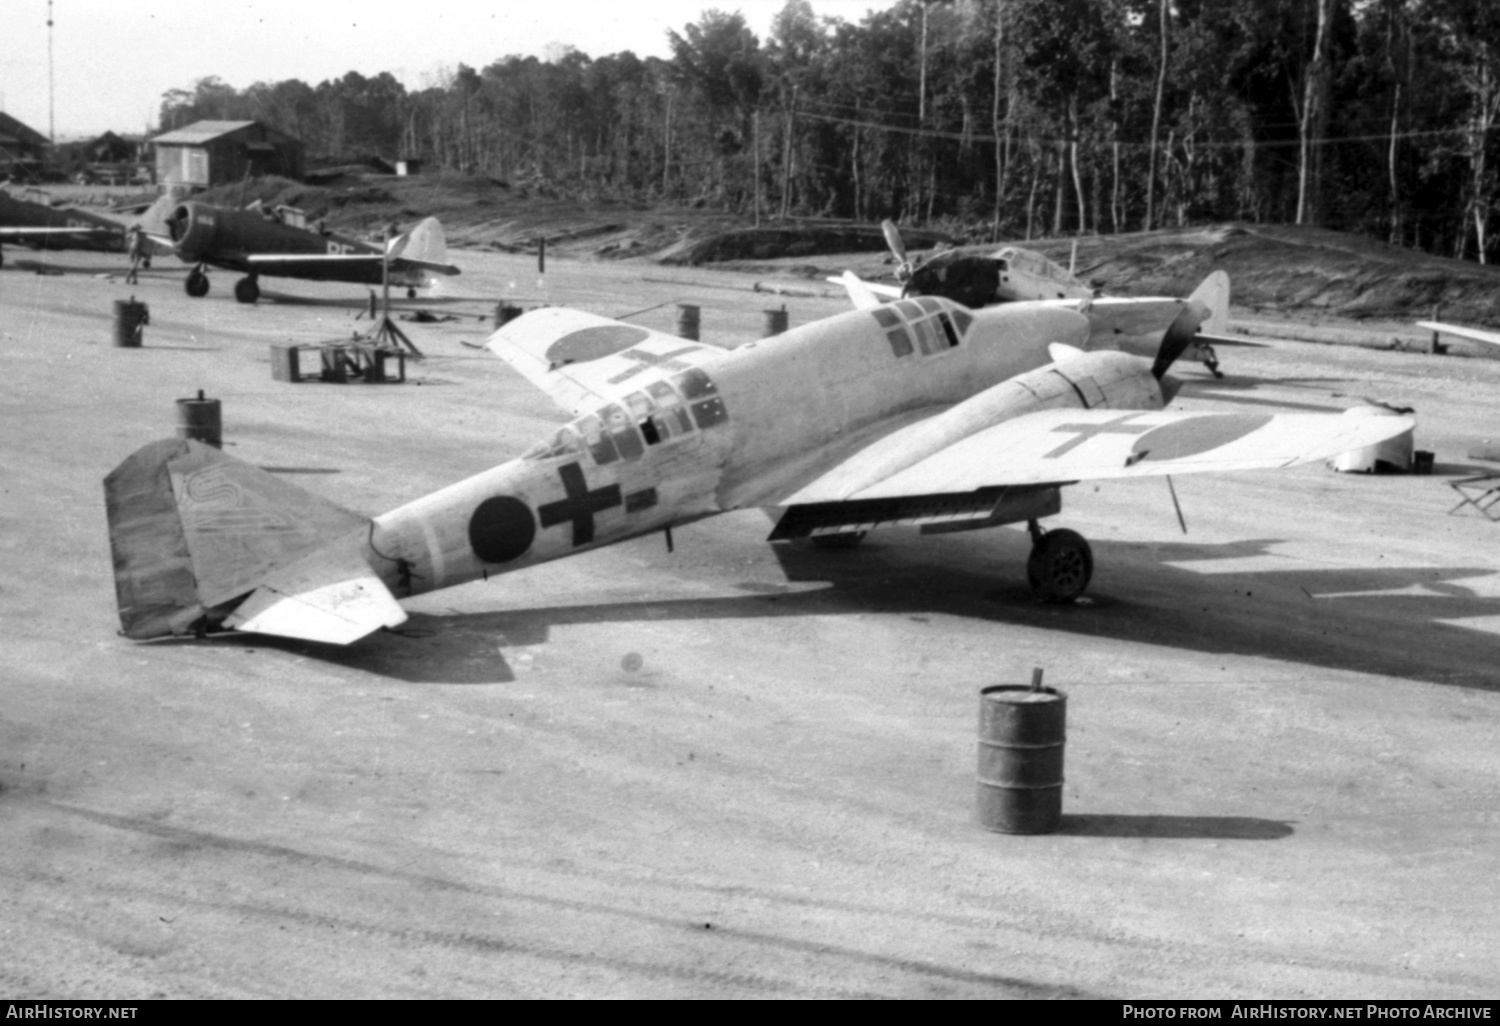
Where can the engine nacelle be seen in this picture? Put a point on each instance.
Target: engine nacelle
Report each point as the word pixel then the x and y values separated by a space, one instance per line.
pixel 193 227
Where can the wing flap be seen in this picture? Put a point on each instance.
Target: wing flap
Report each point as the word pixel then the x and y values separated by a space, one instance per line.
pixel 1058 446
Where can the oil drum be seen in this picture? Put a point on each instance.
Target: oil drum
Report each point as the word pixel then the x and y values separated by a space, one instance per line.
pixel 1021 733
pixel 130 320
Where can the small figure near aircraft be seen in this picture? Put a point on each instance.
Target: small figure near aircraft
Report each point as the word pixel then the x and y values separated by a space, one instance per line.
pixel 32 219
pixel 277 242
pixel 921 412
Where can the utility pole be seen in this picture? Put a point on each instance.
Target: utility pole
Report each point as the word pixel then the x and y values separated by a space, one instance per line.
pixel 51 91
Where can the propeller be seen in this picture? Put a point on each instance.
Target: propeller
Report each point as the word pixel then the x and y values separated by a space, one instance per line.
pixel 904 267
pixel 1176 340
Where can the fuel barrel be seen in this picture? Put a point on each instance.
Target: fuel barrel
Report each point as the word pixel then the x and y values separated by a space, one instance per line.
pixel 130 320
pixel 1021 732
pixel 687 321
pixel 200 420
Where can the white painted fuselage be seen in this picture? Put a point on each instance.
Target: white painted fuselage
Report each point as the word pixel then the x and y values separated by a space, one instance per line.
pixel 740 428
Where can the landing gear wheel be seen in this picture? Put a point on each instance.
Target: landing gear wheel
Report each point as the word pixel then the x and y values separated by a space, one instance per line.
pixel 246 290
pixel 842 540
pixel 1060 566
pixel 411 293
pixel 196 284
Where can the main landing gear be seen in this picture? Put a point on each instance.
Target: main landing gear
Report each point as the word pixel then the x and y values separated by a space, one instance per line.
pixel 1060 565
pixel 247 289
pixel 197 283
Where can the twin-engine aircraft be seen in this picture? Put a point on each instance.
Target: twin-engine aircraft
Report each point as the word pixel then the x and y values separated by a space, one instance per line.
pixel 921 412
pixel 276 242
pixel 32 219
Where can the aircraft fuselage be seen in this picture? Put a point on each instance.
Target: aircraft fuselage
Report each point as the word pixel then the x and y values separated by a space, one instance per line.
pixel 704 436
pixel 228 238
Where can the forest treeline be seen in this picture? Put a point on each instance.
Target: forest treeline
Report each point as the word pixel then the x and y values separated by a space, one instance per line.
pixel 1002 118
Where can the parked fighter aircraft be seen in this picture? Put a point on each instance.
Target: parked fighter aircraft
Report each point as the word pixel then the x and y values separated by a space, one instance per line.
pixel 921 412
pixel 277 242
pixel 31 218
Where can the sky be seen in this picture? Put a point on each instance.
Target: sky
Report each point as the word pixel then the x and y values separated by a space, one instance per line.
pixel 113 59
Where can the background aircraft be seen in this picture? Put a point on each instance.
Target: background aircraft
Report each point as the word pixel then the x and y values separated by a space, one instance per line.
pixel 1014 274
pixel 920 412
pixel 277 243
pixel 31 218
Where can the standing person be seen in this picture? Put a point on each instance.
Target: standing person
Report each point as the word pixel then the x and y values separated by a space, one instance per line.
pixel 136 242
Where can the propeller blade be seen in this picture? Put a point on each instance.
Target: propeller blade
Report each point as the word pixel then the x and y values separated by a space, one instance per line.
pixel 898 249
pixel 1177 338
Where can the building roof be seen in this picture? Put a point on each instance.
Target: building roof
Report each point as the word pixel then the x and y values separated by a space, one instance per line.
pixel 200 132
pixel 19 132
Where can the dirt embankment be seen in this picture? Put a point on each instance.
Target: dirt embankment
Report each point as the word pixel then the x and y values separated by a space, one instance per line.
pixel 1275 268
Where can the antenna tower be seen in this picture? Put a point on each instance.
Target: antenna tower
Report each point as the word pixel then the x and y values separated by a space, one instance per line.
pixel 51 90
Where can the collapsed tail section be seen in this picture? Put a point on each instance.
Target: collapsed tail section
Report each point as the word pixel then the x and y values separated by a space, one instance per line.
pixel 194 532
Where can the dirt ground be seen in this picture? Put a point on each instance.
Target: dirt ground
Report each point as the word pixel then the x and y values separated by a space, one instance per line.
pixel 736 770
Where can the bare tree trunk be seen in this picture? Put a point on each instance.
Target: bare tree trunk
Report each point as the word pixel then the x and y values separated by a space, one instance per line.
pixel 1114 127
pixel 1036 181
pixel 1161 88
pixel 1395 182
pixel 1060 193
pixel 1000 165
pixel 1314 123
pixel 1073 131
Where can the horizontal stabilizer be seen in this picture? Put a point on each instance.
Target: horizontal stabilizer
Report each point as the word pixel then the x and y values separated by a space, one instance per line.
pixel 331 595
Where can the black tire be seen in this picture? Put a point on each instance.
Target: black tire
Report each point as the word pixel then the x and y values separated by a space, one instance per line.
pixel 1060 566
pixel 246 290
pixel 411 293
pixel 842 540
pixel 196 285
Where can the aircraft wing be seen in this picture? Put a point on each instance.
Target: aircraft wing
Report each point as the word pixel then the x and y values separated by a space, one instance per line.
pixel 583 360
pixel 1053 447
pixel 1489 338
pixel 21 233
pixel 295 264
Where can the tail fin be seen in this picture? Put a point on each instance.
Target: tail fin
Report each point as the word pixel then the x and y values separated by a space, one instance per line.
pixel 1212 296
pixel 194 532
pixel 426 246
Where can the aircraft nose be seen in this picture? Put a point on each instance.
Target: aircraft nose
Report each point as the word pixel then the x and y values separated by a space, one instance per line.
pixel 177 223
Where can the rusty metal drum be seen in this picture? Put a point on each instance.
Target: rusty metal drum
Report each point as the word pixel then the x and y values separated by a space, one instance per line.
pixel 1021 735
pixel 130 321
pixel 200 419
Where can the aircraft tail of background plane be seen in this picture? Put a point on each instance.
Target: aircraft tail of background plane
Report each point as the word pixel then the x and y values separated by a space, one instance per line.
pixel 1212 295
pixel 200 538
pixel 426 244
